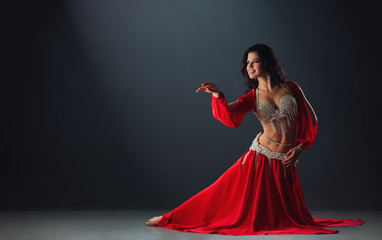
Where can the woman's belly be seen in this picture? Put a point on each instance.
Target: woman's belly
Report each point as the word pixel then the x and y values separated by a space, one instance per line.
pixel 274 135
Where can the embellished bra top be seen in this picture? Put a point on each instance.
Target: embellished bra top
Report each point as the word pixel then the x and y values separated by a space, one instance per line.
pixel 279 118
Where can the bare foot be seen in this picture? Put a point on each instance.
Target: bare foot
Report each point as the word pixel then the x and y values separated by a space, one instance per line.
pixel 153 221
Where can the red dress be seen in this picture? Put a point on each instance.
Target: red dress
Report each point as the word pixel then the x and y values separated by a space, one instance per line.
pixel 257 195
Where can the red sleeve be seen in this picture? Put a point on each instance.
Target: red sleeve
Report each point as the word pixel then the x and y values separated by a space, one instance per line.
pixel 232 117
pixel 306 131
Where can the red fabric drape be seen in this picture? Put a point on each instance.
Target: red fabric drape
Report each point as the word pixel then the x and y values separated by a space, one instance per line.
pixel 248 199
pixel 306 131
pixel 232 117
pixel 254 197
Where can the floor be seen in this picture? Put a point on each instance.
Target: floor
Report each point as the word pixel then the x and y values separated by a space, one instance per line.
pixel 118 225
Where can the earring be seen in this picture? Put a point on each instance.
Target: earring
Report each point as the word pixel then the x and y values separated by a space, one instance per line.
pixel 268 75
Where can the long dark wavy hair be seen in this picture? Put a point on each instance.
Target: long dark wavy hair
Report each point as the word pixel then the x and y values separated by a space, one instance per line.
pixel 268 61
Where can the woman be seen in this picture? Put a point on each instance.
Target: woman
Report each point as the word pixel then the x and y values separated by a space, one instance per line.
pixel 261 192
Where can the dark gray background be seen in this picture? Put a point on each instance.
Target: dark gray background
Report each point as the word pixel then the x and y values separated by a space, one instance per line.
pixel 99 109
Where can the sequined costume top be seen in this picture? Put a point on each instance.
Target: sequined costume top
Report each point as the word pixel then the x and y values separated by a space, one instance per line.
pixel 280 117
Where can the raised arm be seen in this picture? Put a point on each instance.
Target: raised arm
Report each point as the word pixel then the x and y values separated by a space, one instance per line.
pixel 231 114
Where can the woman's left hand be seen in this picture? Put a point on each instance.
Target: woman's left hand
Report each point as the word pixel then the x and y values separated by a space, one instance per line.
pixel 293 155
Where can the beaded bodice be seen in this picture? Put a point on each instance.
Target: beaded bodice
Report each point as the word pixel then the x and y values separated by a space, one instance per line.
pixel 280 117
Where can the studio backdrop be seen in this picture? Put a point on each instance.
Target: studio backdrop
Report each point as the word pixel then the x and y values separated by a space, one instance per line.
pixel 99 109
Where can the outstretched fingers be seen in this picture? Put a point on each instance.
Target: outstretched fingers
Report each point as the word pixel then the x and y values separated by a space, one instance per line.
pixel 205 87
pixel 208 87
pixel 201 89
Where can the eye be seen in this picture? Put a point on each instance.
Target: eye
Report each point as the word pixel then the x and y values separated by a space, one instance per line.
pixel 254 61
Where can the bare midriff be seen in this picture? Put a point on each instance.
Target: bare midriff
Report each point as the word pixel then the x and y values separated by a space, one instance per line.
pixel 271 133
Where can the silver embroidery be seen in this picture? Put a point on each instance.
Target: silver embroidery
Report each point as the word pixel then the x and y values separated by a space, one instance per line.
pixel 256 159
pixel 278 118
pixel 266 151
pixel 269 154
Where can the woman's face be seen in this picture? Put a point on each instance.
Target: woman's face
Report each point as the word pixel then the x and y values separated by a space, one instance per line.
pixel 254 66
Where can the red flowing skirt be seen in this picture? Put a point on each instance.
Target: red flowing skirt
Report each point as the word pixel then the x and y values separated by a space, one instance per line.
pixel 255 196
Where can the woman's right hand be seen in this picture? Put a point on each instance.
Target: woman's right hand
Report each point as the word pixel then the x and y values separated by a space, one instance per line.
pixel 209 88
